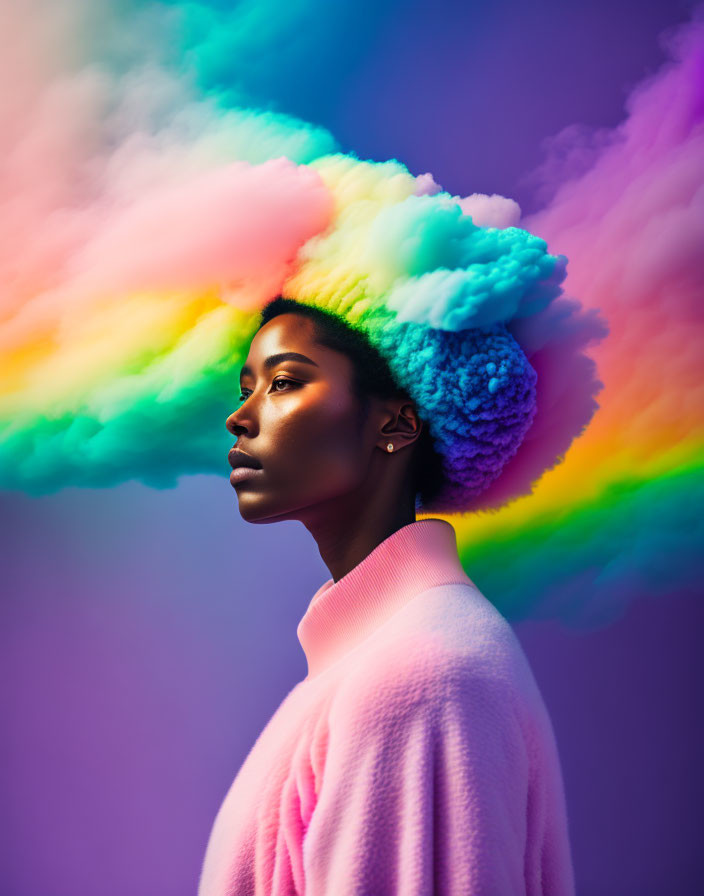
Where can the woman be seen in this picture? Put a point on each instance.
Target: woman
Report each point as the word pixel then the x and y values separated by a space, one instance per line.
pixel 417 756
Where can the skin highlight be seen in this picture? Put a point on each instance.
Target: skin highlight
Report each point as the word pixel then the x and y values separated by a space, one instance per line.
pixel 323 454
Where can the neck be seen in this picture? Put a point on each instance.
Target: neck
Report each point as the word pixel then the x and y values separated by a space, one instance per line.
pixel 350 531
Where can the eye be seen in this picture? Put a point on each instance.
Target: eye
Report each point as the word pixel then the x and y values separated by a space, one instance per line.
pixel 245 393
pixel 281 380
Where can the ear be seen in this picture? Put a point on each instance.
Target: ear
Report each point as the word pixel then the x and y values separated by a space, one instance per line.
pixel 402 426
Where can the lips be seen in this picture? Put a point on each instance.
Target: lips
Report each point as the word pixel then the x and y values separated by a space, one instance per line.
pixel 238 458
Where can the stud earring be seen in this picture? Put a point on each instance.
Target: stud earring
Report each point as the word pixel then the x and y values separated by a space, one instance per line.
pixel 390 446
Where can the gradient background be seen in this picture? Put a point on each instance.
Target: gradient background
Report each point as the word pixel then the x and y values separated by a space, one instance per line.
pixel 147 636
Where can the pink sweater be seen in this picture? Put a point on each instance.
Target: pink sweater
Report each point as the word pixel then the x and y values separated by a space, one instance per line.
pixel 417 756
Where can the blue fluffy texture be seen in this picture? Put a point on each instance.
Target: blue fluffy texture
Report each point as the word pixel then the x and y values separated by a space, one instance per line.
pixel 451 274
pixel 475 389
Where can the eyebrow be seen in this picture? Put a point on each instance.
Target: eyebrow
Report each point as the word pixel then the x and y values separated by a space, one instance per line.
pixel 273 360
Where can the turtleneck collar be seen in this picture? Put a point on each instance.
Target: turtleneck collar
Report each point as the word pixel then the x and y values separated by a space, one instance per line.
pixel 416 557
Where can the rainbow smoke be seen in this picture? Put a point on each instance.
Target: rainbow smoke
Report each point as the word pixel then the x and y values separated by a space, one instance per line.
pixel 146 218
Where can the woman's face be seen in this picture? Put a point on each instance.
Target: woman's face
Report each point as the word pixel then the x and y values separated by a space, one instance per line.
pixel 300 420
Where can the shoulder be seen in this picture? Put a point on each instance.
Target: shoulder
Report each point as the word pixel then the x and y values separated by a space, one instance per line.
pixel 449 646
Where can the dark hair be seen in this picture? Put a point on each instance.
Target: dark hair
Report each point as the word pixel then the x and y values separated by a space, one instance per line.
pixel 372 377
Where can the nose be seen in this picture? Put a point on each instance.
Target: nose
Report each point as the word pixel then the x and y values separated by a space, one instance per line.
pixel 234 425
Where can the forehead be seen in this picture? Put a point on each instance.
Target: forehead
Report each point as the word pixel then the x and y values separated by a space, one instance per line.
pixel 286 332
pixel 294 333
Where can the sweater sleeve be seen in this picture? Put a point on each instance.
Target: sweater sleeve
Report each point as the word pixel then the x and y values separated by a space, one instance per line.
pixel 423 788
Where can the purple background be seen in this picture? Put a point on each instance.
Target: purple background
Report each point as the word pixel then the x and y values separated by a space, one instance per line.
pixel 147 636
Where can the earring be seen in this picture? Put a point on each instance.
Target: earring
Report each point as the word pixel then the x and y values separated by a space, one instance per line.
pixel 390 446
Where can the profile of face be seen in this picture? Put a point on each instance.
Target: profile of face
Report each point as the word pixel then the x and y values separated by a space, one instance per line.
pixel 300 419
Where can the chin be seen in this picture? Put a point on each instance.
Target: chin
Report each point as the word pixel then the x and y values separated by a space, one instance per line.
pixel 258 504
pixel 258 509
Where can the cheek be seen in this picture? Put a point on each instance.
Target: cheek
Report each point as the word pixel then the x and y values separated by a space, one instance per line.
pixel 316 444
